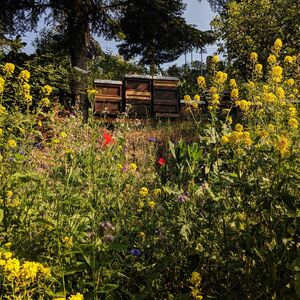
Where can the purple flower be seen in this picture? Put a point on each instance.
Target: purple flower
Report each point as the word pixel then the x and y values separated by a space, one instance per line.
pixel 135 252
pixel 22 152
pixel 183 197
pixel 11 159
pixel 152 139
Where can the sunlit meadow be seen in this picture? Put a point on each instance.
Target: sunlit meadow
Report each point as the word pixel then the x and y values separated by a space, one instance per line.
pixel 200 209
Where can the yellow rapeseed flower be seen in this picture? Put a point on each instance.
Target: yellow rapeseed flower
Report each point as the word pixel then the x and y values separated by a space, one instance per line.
pixel 201 81
pixel 157 192
pixel 45 102
pixel 78 296
pixel 143 192
pixel 9 68
pixel 12 143
pixel 24 75
pixel 258 68
pixel 221 77
pixel 12 268
pixel 47 89
pixel 151 204
pixel 215 59
pixel 282 145
pixel 272 59
pixel 234 94
pixel 290 82
pixel 280 93
pixel 288 59
pixel 232 83
pixel 277 74
pixel 293 123
pixel 250 85
pixel 187 98
pixel 244 105
pixel 238 127
pixel 197 97
pixel 253 57
pixel 278 44
pixel 29 270
pixel 68 241
pixel 224 139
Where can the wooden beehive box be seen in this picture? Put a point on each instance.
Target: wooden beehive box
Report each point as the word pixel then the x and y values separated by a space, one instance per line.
pixel 165 95
pixel 137 94
pixel 108 97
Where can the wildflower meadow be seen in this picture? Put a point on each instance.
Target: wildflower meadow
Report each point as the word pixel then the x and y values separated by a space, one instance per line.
pixel 204 208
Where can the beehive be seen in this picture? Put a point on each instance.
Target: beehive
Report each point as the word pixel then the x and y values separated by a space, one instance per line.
pixel 165 95
pixel 108 97
pixel 137 94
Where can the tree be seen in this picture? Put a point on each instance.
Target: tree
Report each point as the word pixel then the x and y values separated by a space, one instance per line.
pixel 156 31
pixel 253 25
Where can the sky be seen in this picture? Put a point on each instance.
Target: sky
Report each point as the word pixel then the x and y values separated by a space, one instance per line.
pixel 196 13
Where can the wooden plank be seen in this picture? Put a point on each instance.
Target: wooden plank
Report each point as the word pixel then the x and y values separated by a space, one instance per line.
pixel 165 108
pixel 100 107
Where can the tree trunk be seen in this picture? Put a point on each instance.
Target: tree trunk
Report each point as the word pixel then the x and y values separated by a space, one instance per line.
pixel 78 32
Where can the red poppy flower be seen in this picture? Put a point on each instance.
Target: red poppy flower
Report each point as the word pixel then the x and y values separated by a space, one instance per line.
pixel 162 161
pixel 108 139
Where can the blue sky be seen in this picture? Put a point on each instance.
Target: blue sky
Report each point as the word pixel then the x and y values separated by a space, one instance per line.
pixel 197 13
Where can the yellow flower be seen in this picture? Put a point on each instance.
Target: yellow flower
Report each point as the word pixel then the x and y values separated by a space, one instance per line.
pixel 63 134
pixel 133 167
pixel 9 194
pixel 290 82
pixel 213 90
pixel 278 44
pixel 197 97
pixel 47 90
pixel 68 241
pixel 232 83
pixel 288 59
pixel 141 204
pixel 9 68
pixel 27 98
pixel 271 127
pixel 250 85
pixel 92 92
pixel 2 83
pixel 280 93
pixel 39 123
pixel 239 127
pixel 215 59
pixel 12 143
pixel 215 99
pixel 221 77
pixel 201 81
pixel 24 75
pixel 269 97
pixel 293 123
pixel 187 98
pixel 12 268
pixel 78 296
pixel 151 204
pixel 258 68
pixel 7 255
pixel 282 145
pixel 229 120
pixel 45 271
pixel 45 102
pixel 224 139
pixel 143 192
pixel 142 235
pixel 253 57
pixel 234 94
pixel 265 88
pixel 29 270
pixel 195 279
pixel 244 105
pixel 272 59
pixel 293 111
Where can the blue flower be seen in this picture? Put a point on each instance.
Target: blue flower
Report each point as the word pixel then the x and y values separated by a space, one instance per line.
pixel 135 252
